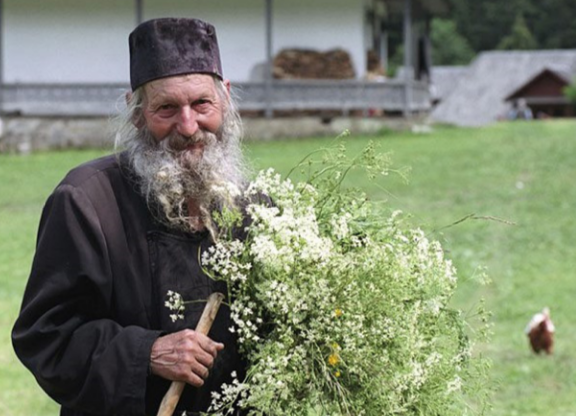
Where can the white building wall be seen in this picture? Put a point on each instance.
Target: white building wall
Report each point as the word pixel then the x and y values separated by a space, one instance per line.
pixel 66 41
pixel 86 41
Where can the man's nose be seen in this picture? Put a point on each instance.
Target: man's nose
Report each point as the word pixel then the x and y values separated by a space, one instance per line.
pixel 187 123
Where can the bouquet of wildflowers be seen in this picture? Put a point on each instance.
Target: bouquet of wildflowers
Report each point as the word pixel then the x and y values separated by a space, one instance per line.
pixel 340 308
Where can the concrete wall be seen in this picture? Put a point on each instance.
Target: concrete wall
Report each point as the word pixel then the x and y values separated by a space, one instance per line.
pixel 30 134
pixel 67 41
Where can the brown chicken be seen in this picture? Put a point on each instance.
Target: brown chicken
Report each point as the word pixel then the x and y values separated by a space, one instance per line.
pixel 540 331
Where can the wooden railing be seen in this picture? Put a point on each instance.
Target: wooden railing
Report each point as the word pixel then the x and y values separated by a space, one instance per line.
pixel 108 99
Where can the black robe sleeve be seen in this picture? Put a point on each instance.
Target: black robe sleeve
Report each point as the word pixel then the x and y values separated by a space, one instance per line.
pixel 66 333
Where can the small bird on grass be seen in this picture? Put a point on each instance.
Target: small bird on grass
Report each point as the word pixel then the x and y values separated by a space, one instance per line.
pixel 540 331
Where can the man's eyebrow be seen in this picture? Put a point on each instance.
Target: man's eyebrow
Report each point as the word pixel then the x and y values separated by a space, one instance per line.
pixel 162 97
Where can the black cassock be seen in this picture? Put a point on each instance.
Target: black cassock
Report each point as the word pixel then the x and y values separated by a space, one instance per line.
pixel 94 302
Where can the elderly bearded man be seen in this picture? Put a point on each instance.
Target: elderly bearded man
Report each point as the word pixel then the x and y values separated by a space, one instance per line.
pixel 119 232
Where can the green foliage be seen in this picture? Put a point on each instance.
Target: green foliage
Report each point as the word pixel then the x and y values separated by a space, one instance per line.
pixel 342 308
pixel 448 46
pixel 519 38
pixel 486 23
pixel 569 92
pixel 553 23
pixel 495 24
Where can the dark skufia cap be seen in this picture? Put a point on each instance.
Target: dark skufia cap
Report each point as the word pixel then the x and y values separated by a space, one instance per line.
pixel 172 46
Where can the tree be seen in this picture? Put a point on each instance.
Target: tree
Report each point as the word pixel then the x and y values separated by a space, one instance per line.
pixel 448 46
pixel 484 23
pixel 569 92
pixel 554 26
pixel 520 37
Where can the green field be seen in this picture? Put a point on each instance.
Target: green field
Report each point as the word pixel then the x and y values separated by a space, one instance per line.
pixel 517 179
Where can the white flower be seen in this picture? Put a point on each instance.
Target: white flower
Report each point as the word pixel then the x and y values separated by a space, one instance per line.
pixel 175 303
pixel 339 225
pixel 454 385
pixel 317 306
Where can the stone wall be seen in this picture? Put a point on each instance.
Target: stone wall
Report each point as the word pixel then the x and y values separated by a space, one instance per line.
pixel 28 134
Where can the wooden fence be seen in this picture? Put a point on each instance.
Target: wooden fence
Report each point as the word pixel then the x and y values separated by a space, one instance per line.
pixel 108 99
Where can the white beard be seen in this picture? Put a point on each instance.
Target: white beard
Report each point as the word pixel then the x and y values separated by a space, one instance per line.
pixel 171 177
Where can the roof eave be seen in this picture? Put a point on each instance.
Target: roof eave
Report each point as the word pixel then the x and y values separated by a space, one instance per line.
pixel 518 90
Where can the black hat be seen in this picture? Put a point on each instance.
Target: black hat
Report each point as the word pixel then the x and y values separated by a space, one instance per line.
pixel 172 46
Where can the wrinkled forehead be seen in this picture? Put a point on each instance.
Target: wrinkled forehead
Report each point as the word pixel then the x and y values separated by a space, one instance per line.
pixel 191 86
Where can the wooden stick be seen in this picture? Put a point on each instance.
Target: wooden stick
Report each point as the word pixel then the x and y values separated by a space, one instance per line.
pixel 173 394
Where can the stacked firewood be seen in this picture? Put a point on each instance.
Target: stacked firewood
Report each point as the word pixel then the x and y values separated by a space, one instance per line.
pixel 311 64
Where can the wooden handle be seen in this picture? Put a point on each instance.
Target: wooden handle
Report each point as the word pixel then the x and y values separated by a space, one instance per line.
pixel 173 394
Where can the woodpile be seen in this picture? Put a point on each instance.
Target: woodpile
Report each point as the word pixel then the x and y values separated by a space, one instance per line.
pixel 311 64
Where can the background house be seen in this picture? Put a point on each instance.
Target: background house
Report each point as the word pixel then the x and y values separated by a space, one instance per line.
pixel 543 93
pixel 483 94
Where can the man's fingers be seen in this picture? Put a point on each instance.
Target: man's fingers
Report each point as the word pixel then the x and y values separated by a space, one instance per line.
pixel 210 346
pixel 200 370
pixel 184 356
pixel 204 358
pixel 198 373
pixel 194 380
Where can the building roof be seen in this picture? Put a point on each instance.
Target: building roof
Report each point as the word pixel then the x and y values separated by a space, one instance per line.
pixel 444 80
pixel 563 71
pixel 479 97
pixel 559 75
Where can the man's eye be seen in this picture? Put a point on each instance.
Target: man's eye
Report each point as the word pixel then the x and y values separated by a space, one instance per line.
pixel 166 107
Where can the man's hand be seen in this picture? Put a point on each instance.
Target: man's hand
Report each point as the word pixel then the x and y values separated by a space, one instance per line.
pixel 184 356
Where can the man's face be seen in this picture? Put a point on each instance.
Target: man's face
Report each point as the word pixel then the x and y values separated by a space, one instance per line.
pixel 186 147
pixel 183 105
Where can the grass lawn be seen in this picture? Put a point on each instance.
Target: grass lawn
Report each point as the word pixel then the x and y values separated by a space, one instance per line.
pixel 517 176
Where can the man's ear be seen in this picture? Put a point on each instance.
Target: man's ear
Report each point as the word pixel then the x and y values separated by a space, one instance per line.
pixel 137 118
pixel 227 85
